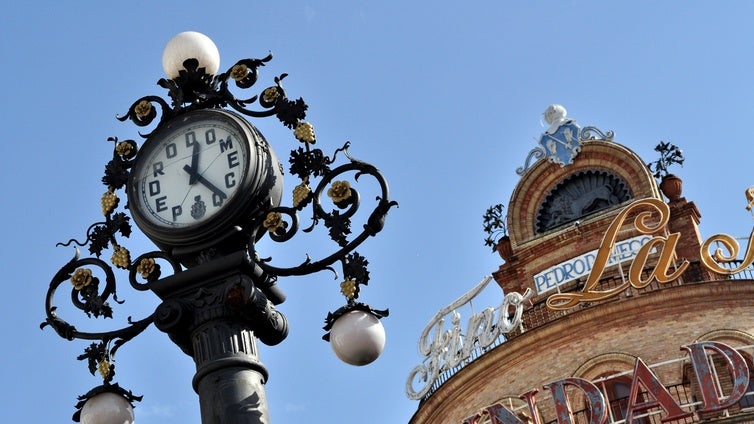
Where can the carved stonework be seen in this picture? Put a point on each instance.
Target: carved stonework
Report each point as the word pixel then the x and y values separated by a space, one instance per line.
pixel 579 195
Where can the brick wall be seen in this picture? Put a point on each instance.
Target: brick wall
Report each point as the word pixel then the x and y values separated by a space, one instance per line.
pixel 595 341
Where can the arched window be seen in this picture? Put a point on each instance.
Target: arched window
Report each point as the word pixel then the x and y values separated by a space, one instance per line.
pixel 579 195
pixel 616 391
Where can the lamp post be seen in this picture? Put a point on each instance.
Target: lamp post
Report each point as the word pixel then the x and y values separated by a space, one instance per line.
pixel 205 186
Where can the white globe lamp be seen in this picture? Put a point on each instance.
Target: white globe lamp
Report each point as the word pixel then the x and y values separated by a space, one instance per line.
pixel 107 408
pixel 357 338
pixel 190 45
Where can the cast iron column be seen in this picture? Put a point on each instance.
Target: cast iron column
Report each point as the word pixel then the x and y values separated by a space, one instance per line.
pixel 212 312
pixel 229 376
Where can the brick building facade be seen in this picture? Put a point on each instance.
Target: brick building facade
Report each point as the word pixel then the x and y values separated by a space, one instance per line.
pixel 558 219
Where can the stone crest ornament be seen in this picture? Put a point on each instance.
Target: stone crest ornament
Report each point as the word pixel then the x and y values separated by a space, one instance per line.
pixel 561 143
pixel 561 140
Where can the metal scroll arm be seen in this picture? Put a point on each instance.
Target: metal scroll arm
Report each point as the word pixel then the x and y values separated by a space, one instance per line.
pixel 338 221
pixel 195 89
pixel 88 296
pixel 309 163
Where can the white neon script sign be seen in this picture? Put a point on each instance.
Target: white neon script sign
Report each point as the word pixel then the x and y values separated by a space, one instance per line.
pixel 444 348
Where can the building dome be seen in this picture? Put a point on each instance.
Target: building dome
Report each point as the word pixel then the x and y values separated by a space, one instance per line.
pixel 623 311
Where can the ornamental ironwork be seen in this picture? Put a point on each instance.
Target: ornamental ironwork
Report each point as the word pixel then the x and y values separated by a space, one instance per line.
pixel 321 177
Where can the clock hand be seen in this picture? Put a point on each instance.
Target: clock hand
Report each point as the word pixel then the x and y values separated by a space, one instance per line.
pixel 198 177
pixel 194 173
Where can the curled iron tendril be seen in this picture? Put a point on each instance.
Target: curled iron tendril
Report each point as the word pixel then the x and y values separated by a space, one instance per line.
pixel 338 220
pixel 195 89
pixel 92 298
pixel 100 234
pixel 149 269
pixel 91 301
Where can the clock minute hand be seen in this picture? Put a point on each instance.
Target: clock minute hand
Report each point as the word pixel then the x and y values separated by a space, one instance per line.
pixel 198 177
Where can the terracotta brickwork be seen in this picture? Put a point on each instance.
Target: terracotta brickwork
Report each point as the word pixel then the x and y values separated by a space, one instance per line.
pixel 595 341
pixel 602 338
pixel 537 182
pixel 534 252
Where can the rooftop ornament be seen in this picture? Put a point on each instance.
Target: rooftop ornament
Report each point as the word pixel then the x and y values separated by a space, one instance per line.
pixel 670 155
pixel 562 141
pixel 670 184
pixel 495 227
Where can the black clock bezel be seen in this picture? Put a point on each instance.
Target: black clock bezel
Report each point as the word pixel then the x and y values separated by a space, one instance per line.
pixel 260 185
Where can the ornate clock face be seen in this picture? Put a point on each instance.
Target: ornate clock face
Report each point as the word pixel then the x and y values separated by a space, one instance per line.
pixel 190 170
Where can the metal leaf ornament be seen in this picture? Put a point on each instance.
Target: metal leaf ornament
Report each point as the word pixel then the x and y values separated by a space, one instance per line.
pixel 305 163
pixel 195 89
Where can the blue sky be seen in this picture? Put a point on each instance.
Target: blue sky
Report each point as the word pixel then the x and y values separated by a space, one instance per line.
pixel 444 97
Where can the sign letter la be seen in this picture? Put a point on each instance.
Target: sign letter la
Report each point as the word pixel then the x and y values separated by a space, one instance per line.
pixel 666 245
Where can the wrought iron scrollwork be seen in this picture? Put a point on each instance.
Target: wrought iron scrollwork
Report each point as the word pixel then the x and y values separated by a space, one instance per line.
pixel 282 223
pixel 337 220
pixel 89 295
pixel 195 89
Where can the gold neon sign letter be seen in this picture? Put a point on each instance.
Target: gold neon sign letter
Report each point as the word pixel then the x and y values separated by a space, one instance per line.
pixel 715 262
pixel 647 222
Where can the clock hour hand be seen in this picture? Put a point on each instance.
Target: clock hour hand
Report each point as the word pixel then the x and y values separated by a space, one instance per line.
pixel 193 175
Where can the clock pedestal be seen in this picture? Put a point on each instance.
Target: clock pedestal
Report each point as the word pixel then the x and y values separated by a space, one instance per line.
pixel 215 312
pixel 229 378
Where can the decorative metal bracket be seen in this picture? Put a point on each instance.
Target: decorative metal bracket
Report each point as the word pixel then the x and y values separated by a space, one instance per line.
pixel 195 89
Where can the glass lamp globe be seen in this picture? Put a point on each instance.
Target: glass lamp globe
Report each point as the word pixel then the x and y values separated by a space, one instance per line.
pixel 357 338
pixel 107 408
pixel 190 45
